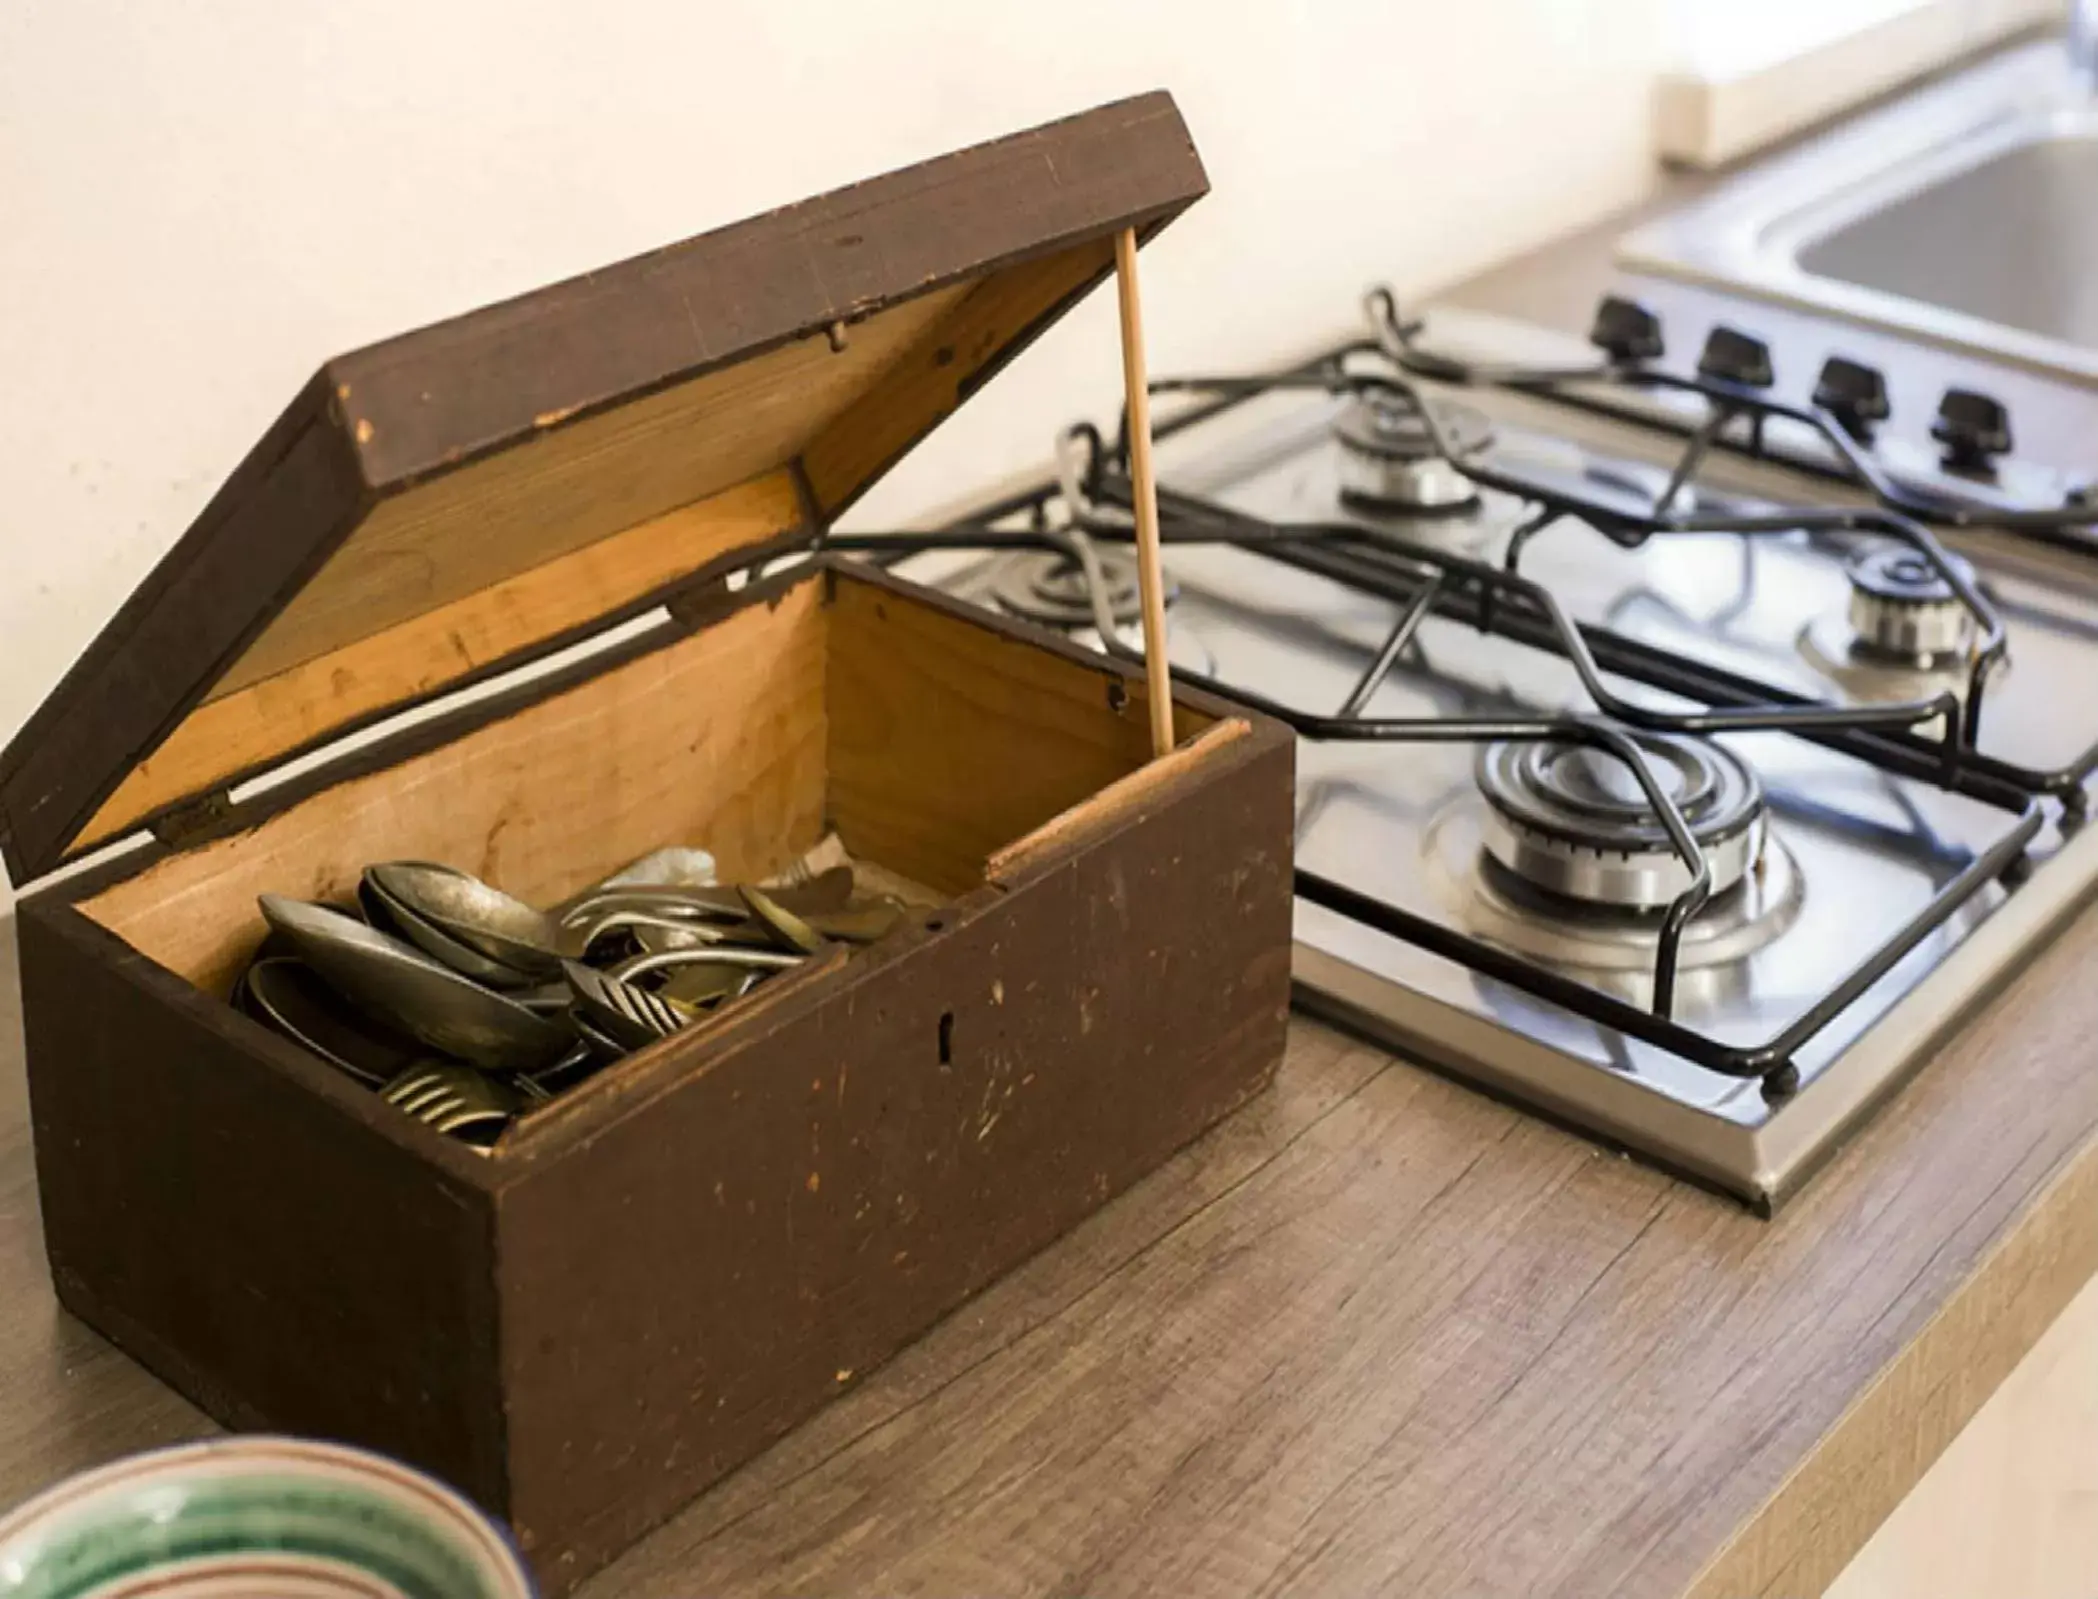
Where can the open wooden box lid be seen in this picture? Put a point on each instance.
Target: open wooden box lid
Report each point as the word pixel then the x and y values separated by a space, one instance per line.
pixel 453 502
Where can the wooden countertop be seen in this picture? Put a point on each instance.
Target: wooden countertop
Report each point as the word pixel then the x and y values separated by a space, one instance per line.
pixel 1375 1333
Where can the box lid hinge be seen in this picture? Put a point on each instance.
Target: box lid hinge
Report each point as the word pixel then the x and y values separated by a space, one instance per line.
pixel 697 604
pixel 704 601
pixel 184 824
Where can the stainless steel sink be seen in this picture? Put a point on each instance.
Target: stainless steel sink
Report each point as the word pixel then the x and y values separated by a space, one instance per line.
pixel 1966 215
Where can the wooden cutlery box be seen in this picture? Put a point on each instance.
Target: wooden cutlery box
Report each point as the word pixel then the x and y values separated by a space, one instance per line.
pixel 561 504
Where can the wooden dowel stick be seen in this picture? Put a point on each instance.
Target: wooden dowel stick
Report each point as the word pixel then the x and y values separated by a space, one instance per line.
pixel 1144 492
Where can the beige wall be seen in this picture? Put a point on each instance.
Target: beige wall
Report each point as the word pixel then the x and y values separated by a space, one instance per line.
pixel 200 201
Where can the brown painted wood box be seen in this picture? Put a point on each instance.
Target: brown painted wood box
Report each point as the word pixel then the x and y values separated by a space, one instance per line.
pixel 658 1273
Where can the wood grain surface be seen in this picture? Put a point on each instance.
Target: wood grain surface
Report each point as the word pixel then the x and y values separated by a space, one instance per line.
pixel 741 704
pixel 1381 1334
pixel 439 541
pixel 1123 795
pixel 305 706
pixel 1375 1331
pixel 950 742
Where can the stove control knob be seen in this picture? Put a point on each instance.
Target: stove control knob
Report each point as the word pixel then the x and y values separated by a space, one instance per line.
pixel 1731 356
pixel 1854 394
pixel 1625 330
pixel 1972 427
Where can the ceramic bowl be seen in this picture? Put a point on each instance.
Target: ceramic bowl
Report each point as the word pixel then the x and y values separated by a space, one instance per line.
pixel 255 1518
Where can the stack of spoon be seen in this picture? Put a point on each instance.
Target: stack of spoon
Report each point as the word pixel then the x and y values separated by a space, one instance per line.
pixel 464 1005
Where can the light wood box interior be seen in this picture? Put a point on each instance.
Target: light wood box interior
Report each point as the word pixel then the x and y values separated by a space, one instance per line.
pixel 929 742
pixel 478 564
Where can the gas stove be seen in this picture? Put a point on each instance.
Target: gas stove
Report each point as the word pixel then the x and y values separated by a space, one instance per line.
pixel 1676 759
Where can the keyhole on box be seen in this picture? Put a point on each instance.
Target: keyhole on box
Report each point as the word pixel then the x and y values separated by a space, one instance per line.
pixel 946 1038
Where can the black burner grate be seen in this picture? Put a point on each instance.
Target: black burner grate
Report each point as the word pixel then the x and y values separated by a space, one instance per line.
pixel 1929 740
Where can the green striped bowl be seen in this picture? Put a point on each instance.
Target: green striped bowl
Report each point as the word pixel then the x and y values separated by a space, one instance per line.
pixel 255 1518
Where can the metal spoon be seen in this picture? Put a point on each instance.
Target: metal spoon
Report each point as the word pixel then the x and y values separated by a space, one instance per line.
pixel 500 926
pixel 289 997
pixel 516 935
pixel 390 915
pixel 403 986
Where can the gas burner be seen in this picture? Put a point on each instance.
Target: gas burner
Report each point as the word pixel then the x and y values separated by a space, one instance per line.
pixel 1044 586
pixel 1902 607
pixel 1608 946
pixel 1574 822
pixel 1389 462
pixel 1905 635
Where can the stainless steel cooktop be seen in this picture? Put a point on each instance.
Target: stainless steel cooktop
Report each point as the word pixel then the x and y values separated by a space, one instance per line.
pixel 1688 806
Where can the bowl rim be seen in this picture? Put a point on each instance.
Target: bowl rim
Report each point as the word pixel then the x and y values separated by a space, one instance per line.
pixel 489 1541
